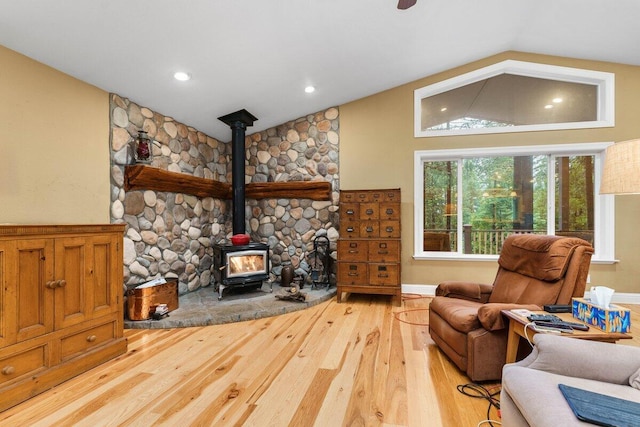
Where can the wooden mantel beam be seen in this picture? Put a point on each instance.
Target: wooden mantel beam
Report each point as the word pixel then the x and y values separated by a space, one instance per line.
pixel 142 177
pixel 314 190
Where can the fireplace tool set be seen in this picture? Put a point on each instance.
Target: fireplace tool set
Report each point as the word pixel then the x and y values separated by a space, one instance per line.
pixel 320 262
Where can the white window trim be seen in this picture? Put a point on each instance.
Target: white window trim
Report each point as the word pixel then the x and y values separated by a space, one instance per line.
pixel 604 81
pixel 604 205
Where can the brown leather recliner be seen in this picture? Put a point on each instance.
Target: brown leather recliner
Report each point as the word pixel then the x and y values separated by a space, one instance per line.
pixel 534 270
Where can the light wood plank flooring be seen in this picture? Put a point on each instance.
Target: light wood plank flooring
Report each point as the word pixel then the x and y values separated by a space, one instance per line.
pixel 363 362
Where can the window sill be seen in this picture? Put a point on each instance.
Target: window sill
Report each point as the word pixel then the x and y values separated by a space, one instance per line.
pixel 449 256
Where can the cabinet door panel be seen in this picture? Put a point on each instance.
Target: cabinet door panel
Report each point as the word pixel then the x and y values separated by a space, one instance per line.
pixel 7 294
pixel 34 295
pixel 105 276
pixel 71 281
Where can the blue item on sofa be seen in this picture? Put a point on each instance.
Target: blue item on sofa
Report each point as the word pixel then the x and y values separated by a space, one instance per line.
pixel 601 409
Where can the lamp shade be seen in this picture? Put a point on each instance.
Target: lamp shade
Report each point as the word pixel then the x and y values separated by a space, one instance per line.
pixel 621 172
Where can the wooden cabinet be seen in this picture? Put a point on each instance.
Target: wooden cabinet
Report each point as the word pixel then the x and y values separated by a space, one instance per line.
pixel 369 244
pixel 61 304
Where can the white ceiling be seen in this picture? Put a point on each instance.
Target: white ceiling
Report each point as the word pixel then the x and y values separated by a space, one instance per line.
pixel 260 54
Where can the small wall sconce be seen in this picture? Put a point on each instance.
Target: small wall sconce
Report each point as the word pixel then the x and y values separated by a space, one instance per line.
pixel 143 148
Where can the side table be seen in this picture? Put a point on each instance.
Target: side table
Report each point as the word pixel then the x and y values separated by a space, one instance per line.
pixel 517 325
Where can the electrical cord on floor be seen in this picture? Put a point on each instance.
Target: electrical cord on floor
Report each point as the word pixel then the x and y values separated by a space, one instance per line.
pixel 397 317
pixel 481 392
pixel 532 326
pixel 407 297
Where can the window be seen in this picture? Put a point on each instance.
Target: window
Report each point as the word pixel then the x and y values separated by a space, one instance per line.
pixel 515 96
pixel 468 201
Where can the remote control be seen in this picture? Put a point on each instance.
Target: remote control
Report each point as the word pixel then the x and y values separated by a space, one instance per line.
pixel 543 318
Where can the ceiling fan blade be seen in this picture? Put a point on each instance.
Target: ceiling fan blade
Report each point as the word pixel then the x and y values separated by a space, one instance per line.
pixel 406 4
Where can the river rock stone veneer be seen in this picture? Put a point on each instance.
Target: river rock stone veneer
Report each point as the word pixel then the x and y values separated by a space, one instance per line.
pixel 171 234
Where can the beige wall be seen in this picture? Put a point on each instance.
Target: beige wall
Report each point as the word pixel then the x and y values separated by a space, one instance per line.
pixel 54 153
pixel 377 147
pixel 54 145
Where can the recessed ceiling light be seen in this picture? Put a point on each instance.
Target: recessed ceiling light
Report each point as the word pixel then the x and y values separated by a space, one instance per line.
pixel 182 76
pixel 548 106
pixel 309 89
pixel 557 100
pixel 443 109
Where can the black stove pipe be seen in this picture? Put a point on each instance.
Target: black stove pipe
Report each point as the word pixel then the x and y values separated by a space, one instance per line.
pixel 238 122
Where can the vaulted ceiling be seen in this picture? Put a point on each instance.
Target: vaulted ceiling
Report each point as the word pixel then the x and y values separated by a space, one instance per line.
pixel 261 54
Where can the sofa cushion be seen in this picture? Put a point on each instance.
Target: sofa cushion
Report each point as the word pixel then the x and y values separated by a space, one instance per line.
pixel 541 257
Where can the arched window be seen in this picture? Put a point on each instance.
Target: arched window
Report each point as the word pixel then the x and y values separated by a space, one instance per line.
pixel 515 96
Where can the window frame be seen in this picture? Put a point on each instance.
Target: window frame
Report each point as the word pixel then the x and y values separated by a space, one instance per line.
pixel 604 81
pixel 604 205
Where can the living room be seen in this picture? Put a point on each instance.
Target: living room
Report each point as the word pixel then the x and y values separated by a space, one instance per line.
pixel 57 148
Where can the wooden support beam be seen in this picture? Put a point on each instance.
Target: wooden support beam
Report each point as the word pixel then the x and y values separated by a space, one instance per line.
pixel 142 177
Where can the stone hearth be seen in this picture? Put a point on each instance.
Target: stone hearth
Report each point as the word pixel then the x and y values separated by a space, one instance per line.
pixel 202 308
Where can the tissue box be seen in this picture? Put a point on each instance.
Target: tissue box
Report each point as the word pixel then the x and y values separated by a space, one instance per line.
pixel 612 319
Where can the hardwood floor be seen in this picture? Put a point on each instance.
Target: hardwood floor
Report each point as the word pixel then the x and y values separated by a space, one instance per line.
pixel 363 362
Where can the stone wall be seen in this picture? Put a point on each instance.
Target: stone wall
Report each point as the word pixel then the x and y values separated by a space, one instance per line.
pixel 171 234
pixel 305 149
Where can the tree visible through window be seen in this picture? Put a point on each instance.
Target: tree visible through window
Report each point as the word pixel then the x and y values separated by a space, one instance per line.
pixel 470 203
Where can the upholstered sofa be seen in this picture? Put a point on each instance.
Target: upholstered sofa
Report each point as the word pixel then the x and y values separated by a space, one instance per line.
pixel 530 395
pixel 465 318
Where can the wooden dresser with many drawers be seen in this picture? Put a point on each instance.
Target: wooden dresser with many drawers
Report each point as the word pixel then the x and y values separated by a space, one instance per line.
pixel 369 244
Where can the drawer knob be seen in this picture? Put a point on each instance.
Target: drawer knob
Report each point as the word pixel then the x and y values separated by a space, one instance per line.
pixel 369 229
pixel 389 211
pixel 369 211
pixel 389 229
pixel 62 283
pixel 91 338
pixel 51 284
pixel 349 229
pixel 350 212
pixel 8 370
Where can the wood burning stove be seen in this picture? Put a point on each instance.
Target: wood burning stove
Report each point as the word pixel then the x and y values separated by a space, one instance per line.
pixel 239 265
pixel 242 266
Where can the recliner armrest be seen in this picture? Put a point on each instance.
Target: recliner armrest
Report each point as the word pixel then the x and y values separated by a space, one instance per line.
pixel 465 290
pixel 491 318
pixel 612 363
